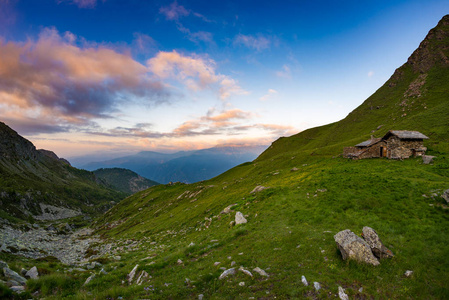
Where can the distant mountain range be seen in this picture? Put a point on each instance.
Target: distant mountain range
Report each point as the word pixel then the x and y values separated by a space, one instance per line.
pixel 123 180
pixel 184 166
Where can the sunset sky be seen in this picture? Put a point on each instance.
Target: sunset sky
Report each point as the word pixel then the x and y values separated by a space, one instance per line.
pixel 121 76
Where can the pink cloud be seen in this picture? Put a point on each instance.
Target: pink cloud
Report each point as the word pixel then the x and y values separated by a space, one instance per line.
pixel 194 72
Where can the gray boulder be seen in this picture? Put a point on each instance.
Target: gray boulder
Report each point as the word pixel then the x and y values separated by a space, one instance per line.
pixel 427 159
pixel 89 279
pixel 445 195
pixel 3 264
pixel 373 240
pixel 10 274
pixel 32 273
pixel 239 218
pixel 353 247
pixel 258 188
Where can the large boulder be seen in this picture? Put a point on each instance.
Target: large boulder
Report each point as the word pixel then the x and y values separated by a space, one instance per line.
pixel 353 247
pixel 373 240
pixel 32 273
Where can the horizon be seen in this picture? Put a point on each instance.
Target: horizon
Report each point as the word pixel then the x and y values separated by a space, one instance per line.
pixel 83 77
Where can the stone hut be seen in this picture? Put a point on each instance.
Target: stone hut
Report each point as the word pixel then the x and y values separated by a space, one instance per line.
pixel 396 144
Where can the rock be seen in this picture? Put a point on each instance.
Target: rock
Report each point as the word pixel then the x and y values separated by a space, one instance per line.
pixel 227 209
pixel 23 272
pixel 304 280
pixel 239 218
pixel 217 263
pixel 244 271
pixel 102 271
pixel 445 195
pixel 261 272
pixel 143 275
pixel 18 289
pixel 191 244
pixel 258 189
pixel 32 273
pixel 200 297
pixel 317 286
pixel 373 240
pixel 179 262
pixel 294 169
pixel 89 279
pixel 132 274
pixel 342 294
pixel 232 263
pixel 227 273
pixel 10 274
pixel 242 283
pixel 353 247
pixel 3 265
pixel 408 273
pixel 427 159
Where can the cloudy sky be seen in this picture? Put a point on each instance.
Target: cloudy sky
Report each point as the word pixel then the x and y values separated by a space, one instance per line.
pixel 116 76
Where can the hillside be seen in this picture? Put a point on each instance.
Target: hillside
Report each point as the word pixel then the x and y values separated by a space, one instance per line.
pixel 32 181
pixel 179 239
pixel 183 166
pixel 124 180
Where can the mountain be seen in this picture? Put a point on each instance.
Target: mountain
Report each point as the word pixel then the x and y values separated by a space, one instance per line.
pixel 184 166
pixel 37 183
pixel 180 241
pixel 124 180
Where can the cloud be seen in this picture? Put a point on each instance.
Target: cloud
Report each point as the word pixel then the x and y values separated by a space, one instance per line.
pixel 258 43
pixel 285 72
pixel 52 76
pixel 370 73
pixel 81 3
pixel 269 95
pixel 195 72
pixel 174 12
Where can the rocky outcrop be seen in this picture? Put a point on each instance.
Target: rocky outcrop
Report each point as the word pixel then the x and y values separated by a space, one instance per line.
pixel 373 240
pixel 353 247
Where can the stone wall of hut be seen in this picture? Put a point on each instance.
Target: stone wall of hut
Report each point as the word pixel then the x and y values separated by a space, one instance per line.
pixel 401 149
pixel 373 151
pixel 351 152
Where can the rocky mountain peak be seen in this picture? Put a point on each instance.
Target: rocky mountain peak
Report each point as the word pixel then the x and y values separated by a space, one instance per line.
pixel 12 145
pixel 434 49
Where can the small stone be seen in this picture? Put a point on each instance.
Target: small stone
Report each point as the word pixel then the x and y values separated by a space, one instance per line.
pixel 317 286
pixel 342 294
pixel 445 195
pixel 242 283
pixel 142 277
pixel 227 273
pixel 232 263
pixel 408 273
pixel 32 273
pixel 361 290
pixel 239 218
pixel 200 297
pixel 304 280
pixel 132 274
pixel 260 272
pixel 258 188
pixel 89 279
pixel 179 262
pixel 102 271
pixel 18 289
pixel 191 244
pixel 217 263
pixel 244 271
pixel 294 169
pixel 227 209
pixel 223 268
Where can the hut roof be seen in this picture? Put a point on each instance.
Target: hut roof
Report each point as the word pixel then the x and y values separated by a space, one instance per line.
pixel 369 142
pixel 406 135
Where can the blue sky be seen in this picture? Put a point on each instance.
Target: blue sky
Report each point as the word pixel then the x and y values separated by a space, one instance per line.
pixel 109 76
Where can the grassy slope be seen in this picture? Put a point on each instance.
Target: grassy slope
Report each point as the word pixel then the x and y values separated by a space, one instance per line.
pixel 291 225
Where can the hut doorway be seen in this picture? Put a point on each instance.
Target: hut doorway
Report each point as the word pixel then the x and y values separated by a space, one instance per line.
pixel 383 152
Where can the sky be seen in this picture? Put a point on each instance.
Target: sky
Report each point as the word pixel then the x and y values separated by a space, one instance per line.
pixel 109 77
